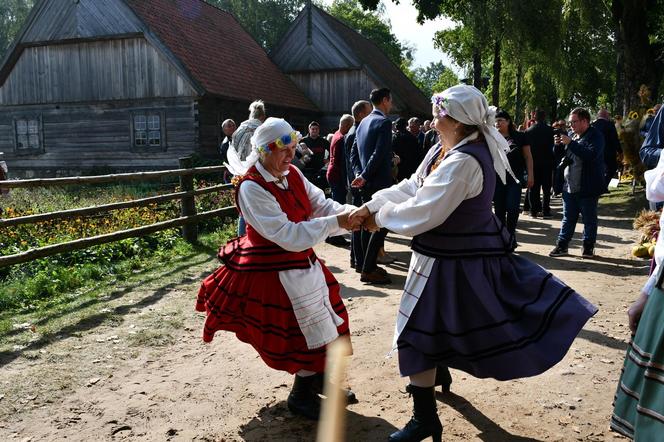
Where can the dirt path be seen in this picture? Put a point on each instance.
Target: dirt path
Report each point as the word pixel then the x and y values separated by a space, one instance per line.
pixel 145 374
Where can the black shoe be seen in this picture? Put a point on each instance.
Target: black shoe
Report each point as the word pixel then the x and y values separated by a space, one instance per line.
pixel 443 378
pixel 375 277
pixel 559 250
pixel 588 250
pixel 547 216
pixel 319 381
pixel 339 241
pixel 425 422
pixel 302 400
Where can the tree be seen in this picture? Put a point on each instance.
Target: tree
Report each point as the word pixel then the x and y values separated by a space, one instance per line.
pixel 12 15
pixel 435 77
pixel 266 20
pixel 639 43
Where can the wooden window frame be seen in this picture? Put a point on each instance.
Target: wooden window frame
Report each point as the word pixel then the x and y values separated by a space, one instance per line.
pixel 162 130
pixel 29 150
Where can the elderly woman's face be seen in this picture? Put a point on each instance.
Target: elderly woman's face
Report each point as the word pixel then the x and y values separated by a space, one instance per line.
pixel 277 161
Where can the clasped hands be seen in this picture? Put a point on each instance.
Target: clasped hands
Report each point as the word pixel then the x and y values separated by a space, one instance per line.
pixel 358 218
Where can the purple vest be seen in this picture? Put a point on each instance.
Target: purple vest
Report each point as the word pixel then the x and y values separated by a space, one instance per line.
pixel 472 230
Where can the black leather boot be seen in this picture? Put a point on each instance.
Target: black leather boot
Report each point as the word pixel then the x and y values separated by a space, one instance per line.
pixel 443 378
pixel 318 384
pixel 425 422
pixel 302 400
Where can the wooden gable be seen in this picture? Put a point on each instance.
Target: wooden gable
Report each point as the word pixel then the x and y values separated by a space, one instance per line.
pixel 89 51
pixel 336 65
pixel 311 45
pixel 56 20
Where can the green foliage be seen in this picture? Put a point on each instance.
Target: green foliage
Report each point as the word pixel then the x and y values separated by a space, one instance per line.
pixel 44 281
pixel 12 16
pixel 435 77
pixel 375 26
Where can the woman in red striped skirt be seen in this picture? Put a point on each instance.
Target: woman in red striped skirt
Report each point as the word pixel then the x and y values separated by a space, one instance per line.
pixel 272 291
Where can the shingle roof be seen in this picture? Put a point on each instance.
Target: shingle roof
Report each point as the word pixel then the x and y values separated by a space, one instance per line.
pixel 218 53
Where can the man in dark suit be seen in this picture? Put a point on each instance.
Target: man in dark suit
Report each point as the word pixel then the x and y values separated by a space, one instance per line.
pixel 360 110
pixel 371 157
pixel 612 147
pixel 540 135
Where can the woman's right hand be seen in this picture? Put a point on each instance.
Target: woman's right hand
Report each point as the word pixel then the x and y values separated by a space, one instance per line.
pixel 358 216
pixel 635 311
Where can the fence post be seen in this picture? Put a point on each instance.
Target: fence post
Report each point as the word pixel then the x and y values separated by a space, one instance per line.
pixel 188 206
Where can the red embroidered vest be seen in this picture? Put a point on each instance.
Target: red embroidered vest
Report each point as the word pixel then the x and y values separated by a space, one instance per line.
pixel 253 252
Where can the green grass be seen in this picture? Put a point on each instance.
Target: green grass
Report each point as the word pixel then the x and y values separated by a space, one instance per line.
pixel 81 290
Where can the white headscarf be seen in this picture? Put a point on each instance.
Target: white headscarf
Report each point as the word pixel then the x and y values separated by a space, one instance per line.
pixel 468 105
pixel 268 132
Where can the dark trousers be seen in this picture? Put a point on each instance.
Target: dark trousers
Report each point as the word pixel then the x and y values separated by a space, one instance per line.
pixel 356 251
pixel 609 171
pixel 573 206
pixel 338 192
pixel 506 200
pixel 543 177
pixel 371 242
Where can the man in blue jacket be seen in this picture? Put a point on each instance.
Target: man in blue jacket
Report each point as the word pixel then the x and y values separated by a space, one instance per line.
pixel 360 110
pixel 373 172
pixel 654 141
pixel 584 182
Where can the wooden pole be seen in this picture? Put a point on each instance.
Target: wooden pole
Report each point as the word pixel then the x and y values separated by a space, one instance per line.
pixel 94 210
pixel 112 178
pixel 54 249
pixel 188 204
pixel 332 425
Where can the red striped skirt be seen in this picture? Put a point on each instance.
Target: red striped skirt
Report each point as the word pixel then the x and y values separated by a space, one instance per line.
pixel 255 306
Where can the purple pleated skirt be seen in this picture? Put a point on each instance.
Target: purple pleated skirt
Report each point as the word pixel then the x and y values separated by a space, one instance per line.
pixel 493 317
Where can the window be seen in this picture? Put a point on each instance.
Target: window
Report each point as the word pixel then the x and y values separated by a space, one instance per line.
pixel 28 132
pixel 147 130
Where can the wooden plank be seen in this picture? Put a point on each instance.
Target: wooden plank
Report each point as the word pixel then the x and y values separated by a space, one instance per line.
pixel 84 243
pixel 129 68
pixel 117 177
pixel 95 210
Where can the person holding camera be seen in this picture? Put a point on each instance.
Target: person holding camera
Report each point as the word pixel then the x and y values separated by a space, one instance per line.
pixel 584 182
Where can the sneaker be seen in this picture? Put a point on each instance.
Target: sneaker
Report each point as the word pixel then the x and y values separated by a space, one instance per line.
pixel 375 277
pixel 559 250
pixel 588 251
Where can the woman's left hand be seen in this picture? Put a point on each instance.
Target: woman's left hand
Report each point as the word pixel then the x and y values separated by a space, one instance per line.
pixel 531 181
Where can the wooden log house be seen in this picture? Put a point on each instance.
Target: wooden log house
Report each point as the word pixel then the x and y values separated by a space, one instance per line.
pixel 336 66
pixel 94 86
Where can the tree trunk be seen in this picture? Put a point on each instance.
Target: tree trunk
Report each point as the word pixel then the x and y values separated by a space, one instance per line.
pixel 639 57
pixel 495 87
pixel 619 103
pixel 477 68
pixel 517 104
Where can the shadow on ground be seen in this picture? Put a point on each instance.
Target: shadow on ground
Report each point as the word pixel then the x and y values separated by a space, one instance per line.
pixel 489 430
pixel 95 320
pixel 276 424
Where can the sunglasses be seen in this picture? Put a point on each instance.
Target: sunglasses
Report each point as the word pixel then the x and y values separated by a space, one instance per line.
pixel 281 142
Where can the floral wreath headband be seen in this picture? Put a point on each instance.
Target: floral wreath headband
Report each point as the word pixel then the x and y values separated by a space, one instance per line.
pixel 280 143
pixel 440 104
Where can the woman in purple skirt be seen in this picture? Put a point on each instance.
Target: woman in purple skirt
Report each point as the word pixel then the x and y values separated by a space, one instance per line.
pixel 469 303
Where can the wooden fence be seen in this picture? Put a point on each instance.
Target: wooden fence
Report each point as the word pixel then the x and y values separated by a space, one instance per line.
pixel 188 219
